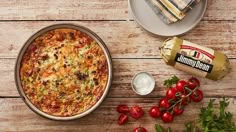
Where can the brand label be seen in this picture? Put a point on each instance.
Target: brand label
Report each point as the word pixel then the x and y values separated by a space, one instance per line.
pixel 188 61
pixel 194 59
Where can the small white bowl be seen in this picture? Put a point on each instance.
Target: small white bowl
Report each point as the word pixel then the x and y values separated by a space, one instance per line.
pixel 143 83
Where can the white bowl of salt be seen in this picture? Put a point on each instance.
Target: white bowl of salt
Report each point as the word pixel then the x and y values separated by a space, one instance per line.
pixel 143 83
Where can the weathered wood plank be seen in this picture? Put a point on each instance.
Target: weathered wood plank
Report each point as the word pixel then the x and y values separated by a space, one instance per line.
pixel 63 10
pixel 220 10
pixel 124 39
pixel 93 10
pixel 102 119
pixel 125 69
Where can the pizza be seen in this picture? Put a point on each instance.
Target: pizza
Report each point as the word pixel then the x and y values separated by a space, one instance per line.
pixel 64 72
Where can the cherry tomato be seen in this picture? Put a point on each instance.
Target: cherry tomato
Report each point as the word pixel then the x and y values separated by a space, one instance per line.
pixel 193 83
pixel 180 86
pixel 186 100
pixel 164 103
pixel 140 129
pixel 167 117
pixel 154 112
pixel 178 110
pixel 122 109
pixel 122 119
pixel 197 96
pixel 170 93
pixel 136 112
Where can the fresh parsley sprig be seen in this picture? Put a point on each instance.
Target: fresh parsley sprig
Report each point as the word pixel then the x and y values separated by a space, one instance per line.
pixel 216 121
pixel 169 82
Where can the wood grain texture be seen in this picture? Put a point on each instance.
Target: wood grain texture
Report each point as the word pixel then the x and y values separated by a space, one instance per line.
pixel 125 69
pixel 103 119
pixel 221 10
pixel 132 49
pixel 124 39
pixel 93 10
pixel 63 10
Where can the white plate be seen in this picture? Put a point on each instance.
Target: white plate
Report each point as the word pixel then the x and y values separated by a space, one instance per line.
pixel 146 18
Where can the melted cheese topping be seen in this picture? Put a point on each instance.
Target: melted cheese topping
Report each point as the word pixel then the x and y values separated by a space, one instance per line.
pixel 64 72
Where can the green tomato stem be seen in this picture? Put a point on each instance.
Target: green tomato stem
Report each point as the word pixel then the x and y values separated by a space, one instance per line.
pixel 181 99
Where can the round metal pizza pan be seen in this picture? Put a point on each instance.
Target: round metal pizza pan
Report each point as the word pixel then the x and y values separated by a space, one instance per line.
pixel 42 31
pixel 149 21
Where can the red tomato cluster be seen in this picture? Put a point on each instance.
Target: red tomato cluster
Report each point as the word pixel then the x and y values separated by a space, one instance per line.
pixel 135 112
pixel 176 98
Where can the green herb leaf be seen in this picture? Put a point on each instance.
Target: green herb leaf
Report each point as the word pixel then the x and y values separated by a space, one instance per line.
pixel 215 120
pixel 169 82
pixel 168 129
pixel 159 128
pixel 188 127
pixel 195 129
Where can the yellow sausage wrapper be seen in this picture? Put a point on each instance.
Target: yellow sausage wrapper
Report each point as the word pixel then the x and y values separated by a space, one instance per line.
pixel 195 59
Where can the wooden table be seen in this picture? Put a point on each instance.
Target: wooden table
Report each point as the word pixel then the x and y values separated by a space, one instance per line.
pixel 132 50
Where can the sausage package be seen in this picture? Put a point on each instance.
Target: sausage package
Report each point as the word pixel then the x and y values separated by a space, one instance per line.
pixel 195 59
